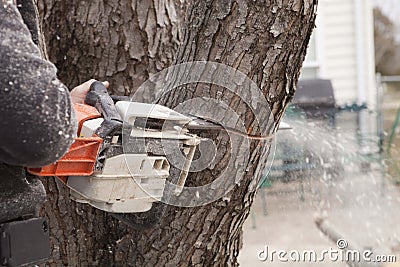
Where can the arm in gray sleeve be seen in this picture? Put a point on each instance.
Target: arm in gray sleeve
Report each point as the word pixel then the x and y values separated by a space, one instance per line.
pixel 37 122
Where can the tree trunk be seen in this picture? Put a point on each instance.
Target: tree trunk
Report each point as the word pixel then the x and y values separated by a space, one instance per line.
pixel 119 41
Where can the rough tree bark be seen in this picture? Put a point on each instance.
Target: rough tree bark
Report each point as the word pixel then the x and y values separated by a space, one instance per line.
pixel 119 41
pixel 124 41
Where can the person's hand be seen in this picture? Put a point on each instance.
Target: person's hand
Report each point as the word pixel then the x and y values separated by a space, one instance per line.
pixel 78 94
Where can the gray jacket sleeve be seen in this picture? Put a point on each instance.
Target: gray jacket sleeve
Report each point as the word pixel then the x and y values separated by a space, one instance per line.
pixel 37 122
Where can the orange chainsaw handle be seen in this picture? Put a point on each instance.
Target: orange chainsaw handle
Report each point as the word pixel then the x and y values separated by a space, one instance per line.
pixel 81 156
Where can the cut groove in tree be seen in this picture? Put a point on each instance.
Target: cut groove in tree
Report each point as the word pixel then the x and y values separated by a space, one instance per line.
pixel 124 41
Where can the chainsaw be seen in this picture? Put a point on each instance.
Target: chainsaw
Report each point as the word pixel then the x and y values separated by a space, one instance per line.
pixel 117 162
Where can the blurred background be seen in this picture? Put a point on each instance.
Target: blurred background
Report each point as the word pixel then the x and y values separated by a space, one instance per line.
pixel 336 168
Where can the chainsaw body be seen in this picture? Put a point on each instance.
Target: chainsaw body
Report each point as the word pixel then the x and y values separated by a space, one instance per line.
pixel 102 172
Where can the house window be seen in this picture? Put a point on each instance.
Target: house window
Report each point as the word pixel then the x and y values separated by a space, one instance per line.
pixel 311 65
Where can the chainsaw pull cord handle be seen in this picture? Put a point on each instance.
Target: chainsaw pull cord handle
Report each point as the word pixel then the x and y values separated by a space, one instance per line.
pixel 99 98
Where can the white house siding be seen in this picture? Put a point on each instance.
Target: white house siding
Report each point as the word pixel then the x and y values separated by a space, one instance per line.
pixel 338 51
